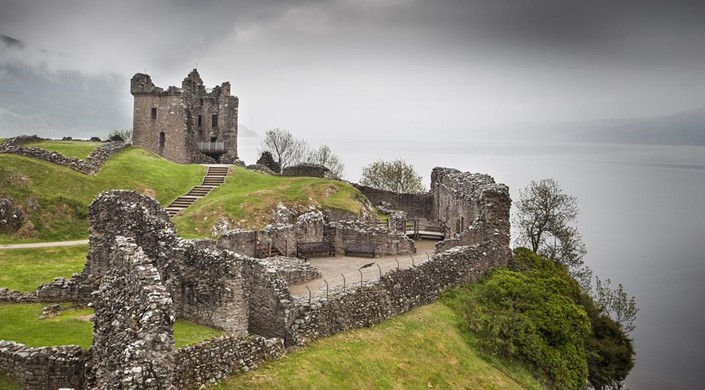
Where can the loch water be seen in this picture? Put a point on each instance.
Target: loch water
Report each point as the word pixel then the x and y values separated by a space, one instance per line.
pixel 642 220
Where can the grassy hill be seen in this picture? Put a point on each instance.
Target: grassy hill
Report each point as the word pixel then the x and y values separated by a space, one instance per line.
pixel 56 198
pixel 425 348
pixel 248 199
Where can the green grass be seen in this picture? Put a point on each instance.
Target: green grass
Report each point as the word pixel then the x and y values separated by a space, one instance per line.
pixel 425 348
pixel 25 269
pixel 77 149
pixel 56 198
pixel 247 199
pixel 20 323
pixel 9 383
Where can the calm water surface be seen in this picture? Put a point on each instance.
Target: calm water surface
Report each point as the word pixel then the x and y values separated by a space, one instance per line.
pixel 642 219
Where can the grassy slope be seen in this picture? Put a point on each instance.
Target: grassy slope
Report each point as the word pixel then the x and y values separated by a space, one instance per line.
pixel 425 348
pixel 8 383
pixel 75 149
pixel 60 196
pixel 26 269
pixel 248 198
pixel 20 323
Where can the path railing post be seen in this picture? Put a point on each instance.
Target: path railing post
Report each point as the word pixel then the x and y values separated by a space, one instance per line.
pixel 326 282
pixel 343 281
pixel 360 271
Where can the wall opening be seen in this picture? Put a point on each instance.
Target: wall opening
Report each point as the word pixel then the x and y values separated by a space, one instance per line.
pixel 154 113
pixel 162 140
pixel 200 120
pixel 214 120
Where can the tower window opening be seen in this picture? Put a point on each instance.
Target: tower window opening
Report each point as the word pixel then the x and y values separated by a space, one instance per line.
pixel 154 113
pixel 214 120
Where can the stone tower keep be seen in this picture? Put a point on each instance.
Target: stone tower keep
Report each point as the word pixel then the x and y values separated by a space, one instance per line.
pixel 187 124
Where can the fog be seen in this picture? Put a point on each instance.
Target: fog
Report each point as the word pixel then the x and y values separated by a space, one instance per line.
pixel 405 67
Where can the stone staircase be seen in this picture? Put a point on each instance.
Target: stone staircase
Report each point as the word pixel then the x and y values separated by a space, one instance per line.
pixel 214 177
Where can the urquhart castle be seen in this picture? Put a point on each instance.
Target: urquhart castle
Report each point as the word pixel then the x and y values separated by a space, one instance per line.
pixel 187 124
pixel 140 277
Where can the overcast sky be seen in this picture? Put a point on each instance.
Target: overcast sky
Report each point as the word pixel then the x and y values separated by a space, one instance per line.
pixel 383 67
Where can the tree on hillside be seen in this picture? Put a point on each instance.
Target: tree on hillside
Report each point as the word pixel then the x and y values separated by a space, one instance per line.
pixel 286 149
pixel 545 217
pixel 324 156
pixel 616 304
pixel 396 176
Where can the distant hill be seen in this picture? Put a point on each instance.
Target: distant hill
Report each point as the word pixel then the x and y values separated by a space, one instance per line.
pixel 683 128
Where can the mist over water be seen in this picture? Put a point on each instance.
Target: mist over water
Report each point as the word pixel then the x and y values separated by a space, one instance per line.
pixel 642 219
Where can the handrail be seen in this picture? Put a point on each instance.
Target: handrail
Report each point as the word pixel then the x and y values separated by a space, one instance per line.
pixel 215 146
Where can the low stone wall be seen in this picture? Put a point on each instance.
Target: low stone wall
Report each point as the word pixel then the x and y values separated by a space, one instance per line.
pixel 60 290
pixel 89 166
pixel 395 293
pixel 308 170
pixel 44 368
pixel 386 242
pixel 213 360
pixel 415 205
pixel 293 270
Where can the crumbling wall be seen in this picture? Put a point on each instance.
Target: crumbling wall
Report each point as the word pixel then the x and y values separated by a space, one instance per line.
pixel 90 166
pixel 415 205
pixel 396 292
pixel 472 205
pixel 133 345
pixel 213 360
pixel 205 284
pixel 269 298
pixel 386 242
pixel 44 368
pixel 308 170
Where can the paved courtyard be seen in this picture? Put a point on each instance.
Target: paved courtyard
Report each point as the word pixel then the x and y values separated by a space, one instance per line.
pixel 346 271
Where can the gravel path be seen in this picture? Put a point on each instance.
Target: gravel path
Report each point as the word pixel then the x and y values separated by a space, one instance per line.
pixel 44 244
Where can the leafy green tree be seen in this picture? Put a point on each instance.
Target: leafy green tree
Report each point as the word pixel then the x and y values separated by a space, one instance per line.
pixel 610 354
pixel 530 316
pixel 396 176
pixel 324 156
pixel 616 304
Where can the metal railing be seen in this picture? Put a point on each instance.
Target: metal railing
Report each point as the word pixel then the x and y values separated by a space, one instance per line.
pixel 217 146
pixel 367 273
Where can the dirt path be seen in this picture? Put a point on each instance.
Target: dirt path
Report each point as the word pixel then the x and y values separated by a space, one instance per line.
pixel 44 244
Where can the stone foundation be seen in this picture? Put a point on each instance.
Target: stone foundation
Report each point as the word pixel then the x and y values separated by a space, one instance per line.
pixel 44 368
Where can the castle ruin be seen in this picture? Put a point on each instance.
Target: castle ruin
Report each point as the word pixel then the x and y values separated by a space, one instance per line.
pixel 188 124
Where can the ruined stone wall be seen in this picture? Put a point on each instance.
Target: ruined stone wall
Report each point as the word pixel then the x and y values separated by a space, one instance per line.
pixel 415 205
pixel 133 345
pixel 395 293
pixel 213 360
pixel 269 298
pixel 473 206
pixel 205 284
pixel 386 242
pixel 44 368
pixel 308 170
pixel 90 166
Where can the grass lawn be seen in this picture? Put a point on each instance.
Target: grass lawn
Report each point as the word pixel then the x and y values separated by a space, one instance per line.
pixel 56 198
pixel 247 199
pixel 425 348
pixel 77 149
pixel 25 269
pixel 20 323
pixel 9 383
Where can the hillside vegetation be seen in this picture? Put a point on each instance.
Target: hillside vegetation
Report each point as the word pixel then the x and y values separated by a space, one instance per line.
pixel 25 269
pixel 248 199
pixel 425 348
pixel 55 199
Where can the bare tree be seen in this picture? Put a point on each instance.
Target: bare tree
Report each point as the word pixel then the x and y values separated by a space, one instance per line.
pixel 397 176
pixel 324 156
pixel 286 149
pixel 545 217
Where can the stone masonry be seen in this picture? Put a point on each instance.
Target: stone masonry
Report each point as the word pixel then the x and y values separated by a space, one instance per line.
pixel 187 124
